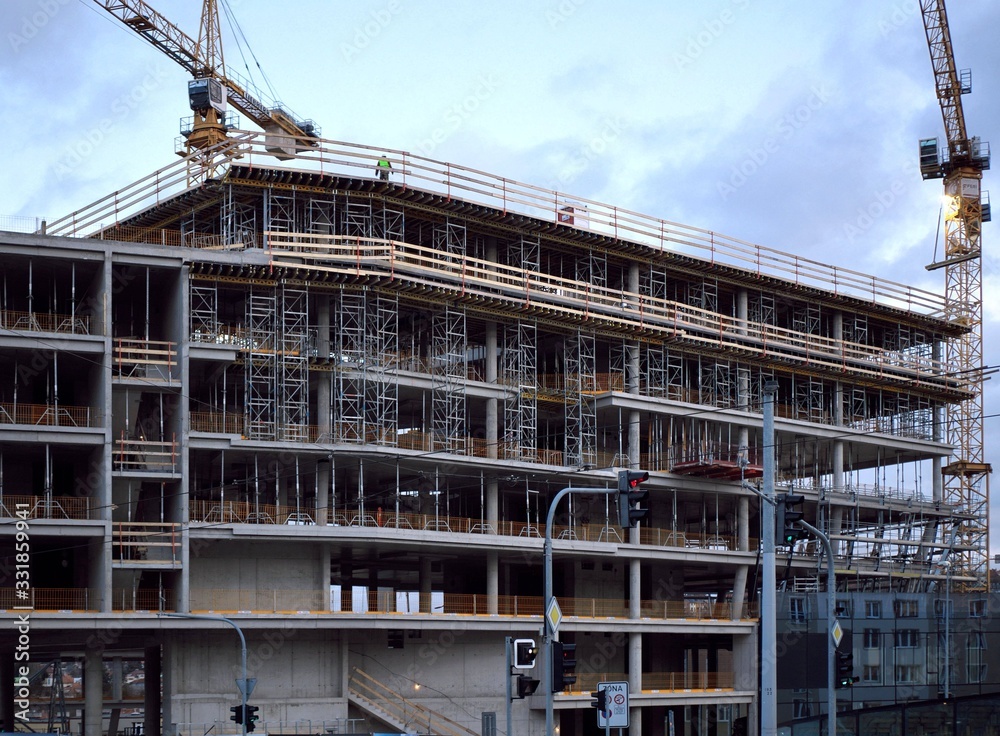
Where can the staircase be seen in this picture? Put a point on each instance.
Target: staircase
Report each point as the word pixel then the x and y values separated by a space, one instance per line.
pixel 382 702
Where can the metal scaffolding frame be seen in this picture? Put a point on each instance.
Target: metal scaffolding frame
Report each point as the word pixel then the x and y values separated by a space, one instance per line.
pixel 350 355
pixel 448 372
pixel 580 351
pixel 592 268
pixel 204 312
pixel 761 308
pixel 293 407
pixel 237 220
pixel 519 371
pixel 703 294
pixel 357 220
pixel 380 387
pixel 280 209
pixel 261 366
pixel 321 216
pixel 807 319
pixel 450 237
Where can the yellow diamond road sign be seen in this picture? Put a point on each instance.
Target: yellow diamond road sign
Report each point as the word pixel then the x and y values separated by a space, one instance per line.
pixel 837 633
pixel 553 614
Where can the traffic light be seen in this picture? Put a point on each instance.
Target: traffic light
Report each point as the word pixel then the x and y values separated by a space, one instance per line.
pixel 563 664
pixel 251 717
pixel 237 714
pixel 525 652
pixel 526 686
pixel 630 496
pixel 845 670
pixel 600 700
pixel 786 519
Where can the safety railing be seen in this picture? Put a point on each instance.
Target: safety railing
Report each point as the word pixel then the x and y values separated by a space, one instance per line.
pixel 138 455
pixel 44 507
pixel 140 600
pixel 616 308
pixel 42 322
pixel 150 360
pixel 403 602
pixel 50 599
pixel 138 541
pixel 658 682
pixel 247 152
pixel 47 415
pixel 397 707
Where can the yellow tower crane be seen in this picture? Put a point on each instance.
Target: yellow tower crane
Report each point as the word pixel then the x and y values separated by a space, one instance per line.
pixel 211 90
pixel 961 164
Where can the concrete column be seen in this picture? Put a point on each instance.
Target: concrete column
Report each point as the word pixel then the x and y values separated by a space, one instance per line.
pixel 493 505
pixel 425 584
pixel 634 588
pixel 635 680
pixel 93 693
pixel 323 514
pixel 492 418
pixel 493 583
pixel 324 576
pixel 742 544
pixel 742 309
pixel 167 685
pixel 151 697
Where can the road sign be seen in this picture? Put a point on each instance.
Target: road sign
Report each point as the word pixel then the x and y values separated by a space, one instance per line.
pixel 837 633
pixel 248 684
pixel 553 615
pixel 616 716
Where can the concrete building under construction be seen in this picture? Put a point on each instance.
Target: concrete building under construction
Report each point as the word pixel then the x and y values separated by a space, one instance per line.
pixel 335 407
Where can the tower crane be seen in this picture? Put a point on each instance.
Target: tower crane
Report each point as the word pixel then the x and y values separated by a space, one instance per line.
pixel 961 164
pixel 211 88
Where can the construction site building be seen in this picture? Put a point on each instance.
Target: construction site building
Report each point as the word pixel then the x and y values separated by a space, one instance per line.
pixel 336 408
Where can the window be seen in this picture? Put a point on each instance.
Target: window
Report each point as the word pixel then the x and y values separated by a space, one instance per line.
pixel 844 608
pixel 873 609
pixel 871 673
pixel 975 661
pixel 802 709
pixel 797 610
pixel 872 638
pixel 940 606
pixel 907 638
pixel 907 673
pixel 977 608
pixel 905 608
pixel 723 713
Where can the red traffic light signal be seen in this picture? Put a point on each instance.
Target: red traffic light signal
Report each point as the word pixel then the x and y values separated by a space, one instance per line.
pixel 630 496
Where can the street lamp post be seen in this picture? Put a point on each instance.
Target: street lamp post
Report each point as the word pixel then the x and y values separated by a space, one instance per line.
pixel 546 625
pixel 244 689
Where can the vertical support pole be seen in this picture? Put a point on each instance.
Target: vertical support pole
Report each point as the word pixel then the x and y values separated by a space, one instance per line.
pixel 507 643
pixel 768 613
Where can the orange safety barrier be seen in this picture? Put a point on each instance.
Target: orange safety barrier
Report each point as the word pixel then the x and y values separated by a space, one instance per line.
pixel 47 415
pixel 146 359
pixel 38 507
pixel 41 322
pixel 145 455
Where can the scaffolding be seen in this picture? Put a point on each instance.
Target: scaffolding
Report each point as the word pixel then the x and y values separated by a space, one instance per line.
pixel 581 404
pixel 519 371
pixel 261 366
pixel 349 367
pixel 448 372
pixel 381 390
pixel 293 406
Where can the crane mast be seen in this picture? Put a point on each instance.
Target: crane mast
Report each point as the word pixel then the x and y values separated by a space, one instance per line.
pixel 961 165
pixel 212 87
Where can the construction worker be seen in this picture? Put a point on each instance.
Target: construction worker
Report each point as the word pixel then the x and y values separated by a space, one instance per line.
pixel 383 168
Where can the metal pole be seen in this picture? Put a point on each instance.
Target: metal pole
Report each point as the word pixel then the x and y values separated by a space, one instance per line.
pixel 243 651
pixel 546 626
pixel 768 594
pixel 947 630
pixel 831 616
pixel 507 644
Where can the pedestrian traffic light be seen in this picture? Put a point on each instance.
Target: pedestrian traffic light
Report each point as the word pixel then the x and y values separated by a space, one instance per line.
pixel 563 664
pixel 786 519
pixel 526 686
pixel 600 700
pixel 845 670
pixel 251 717
pixel 525 652
pixel 630 496
pixel 237 713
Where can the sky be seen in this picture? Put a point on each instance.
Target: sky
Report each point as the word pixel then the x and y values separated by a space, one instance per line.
pixel 785 123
